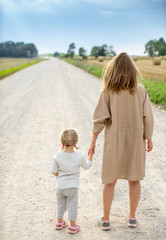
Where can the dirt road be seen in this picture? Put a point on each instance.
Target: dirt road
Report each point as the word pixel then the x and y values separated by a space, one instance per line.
pixel 36 105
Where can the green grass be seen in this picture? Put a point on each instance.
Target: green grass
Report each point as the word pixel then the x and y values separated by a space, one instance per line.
pixel 95 70
pixel 9 65
pixel 156 89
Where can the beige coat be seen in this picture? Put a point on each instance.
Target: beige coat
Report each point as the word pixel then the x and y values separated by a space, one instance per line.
pixel 128 121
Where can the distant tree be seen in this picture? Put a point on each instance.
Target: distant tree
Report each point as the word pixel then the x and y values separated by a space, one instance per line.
pixel 56 54
pixel 18 49
pixel 161 47
pixel 162 51
pixel 82 52
pixel 95 51
pixel 103 50
pixel 111 52
pixel 150 48
pixel 70 51
pixel 156 47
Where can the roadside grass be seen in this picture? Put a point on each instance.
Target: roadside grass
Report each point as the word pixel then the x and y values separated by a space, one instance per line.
pixel 10 65
pixel 156 89
pixel 95 70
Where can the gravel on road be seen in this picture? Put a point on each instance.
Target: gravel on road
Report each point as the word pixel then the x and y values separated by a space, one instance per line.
pixel 36 105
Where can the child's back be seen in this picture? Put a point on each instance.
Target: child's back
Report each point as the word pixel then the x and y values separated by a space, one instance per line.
pixel 68 165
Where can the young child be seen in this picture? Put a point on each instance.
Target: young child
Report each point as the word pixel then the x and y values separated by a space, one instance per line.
pixel 124 110
pixel 66 166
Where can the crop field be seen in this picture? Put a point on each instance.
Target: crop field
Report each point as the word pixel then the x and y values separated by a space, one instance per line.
pixel 153 76
pixel 7 63
pixel 146 67
pixel 11 65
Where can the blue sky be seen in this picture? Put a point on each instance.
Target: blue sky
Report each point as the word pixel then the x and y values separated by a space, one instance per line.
pixel 53 24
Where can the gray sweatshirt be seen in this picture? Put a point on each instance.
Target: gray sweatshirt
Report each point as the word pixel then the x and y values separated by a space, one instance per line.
pixel 67 165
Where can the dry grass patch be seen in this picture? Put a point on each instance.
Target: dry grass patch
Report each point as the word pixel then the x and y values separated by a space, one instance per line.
pixel 146 67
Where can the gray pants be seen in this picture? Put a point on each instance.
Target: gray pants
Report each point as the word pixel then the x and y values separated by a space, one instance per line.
pixel 67 199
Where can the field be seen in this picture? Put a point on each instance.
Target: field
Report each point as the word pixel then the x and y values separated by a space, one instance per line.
pixel 11 65
pixel 146 67
pixel 153 77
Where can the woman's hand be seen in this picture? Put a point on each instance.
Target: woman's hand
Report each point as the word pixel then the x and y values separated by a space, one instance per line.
pixel 91 150
pixel 93 143
pixel 149 145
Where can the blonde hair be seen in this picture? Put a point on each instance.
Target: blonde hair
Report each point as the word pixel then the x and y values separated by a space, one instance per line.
pixel 121 74
pixel 69 137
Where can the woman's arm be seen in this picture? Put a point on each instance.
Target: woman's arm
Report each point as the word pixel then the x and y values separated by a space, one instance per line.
pixel 148 117
pixel 91 150
pixel 101 113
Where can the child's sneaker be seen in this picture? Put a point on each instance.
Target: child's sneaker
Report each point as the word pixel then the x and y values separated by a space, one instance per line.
pixel 105 225
pixel 132 223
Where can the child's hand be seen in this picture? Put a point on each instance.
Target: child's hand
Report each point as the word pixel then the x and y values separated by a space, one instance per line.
pixel 55 174
pixel 149 145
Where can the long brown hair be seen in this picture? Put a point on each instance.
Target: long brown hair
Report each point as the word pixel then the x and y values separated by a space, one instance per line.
pixel 121 74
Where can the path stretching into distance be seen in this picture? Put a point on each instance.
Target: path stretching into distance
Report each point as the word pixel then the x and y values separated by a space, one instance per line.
pixel 36 105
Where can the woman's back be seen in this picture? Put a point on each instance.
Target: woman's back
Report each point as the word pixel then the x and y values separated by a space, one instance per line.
pixel 127 109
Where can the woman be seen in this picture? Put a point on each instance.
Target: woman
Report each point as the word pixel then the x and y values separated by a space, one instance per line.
pixel 124 110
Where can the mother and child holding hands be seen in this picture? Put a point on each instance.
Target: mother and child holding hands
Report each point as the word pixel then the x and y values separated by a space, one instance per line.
pixel 124 112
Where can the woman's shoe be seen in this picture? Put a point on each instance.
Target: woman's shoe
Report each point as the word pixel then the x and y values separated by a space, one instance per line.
pixel 105 225
pixel 132 223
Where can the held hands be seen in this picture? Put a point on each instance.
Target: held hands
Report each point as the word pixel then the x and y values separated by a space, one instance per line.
pixel 90 156
pixel 91 150
pixel 149 145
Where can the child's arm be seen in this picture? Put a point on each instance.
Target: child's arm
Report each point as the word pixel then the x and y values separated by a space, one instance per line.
pixel 86 164
pixel 54 169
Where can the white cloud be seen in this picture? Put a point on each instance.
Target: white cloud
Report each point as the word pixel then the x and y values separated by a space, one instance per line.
pixel 26 5
pixel 110 3
pixel 107 13
pixel 8 2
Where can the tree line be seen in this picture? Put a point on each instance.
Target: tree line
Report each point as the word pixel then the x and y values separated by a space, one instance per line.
pixel 152 48
pixel 96 51
pixel 156 47
pixel 18 49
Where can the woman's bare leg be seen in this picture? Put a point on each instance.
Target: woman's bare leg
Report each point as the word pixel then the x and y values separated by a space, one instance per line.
pixel 134 195
pixel 108 195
